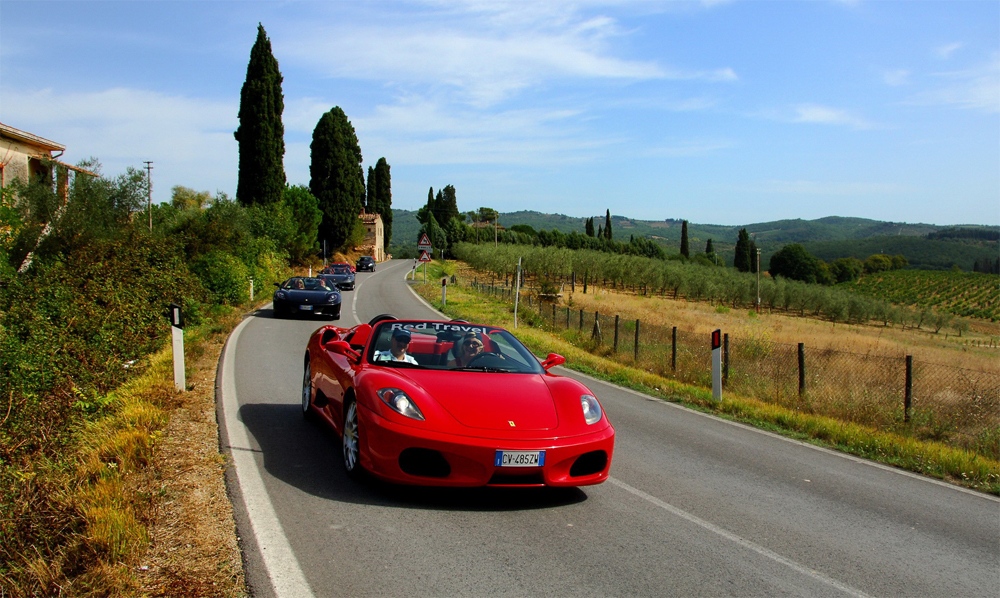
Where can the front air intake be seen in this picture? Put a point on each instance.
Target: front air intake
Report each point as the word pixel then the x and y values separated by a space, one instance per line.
pixel 589 464
pixel 425 463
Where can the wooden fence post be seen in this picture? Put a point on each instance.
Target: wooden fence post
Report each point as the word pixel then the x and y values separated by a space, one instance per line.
pixel 802 369
pixel 908 394
pixel 636 357
pixel 673 350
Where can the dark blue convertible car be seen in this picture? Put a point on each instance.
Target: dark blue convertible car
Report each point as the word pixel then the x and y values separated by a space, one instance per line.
pixel 302 295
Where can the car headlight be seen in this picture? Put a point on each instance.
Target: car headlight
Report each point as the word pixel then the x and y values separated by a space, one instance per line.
pixel 591 409
pixel 332 297
pixel 399 402
pixel 281 295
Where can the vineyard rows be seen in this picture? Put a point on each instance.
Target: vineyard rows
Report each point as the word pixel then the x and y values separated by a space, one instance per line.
pixel 967 294
pixel 555 266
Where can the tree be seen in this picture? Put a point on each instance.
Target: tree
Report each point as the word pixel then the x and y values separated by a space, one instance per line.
pixel 685 247
pixel 709 250
pixel 337 179
pixel 183 198
pixel 846 269
pixel 607 226
pixel 745 259
pixel 370 191
pixel 795 262
pixel 383 198
pixel 306 217
pixel 260 135
pixel 588 227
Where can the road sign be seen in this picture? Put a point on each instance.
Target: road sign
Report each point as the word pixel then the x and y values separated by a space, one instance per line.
pixel 424 257
pixel 424 242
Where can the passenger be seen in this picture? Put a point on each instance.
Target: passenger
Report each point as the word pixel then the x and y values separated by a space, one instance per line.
pixel 298 284
pixel 468 348
pixel 397 351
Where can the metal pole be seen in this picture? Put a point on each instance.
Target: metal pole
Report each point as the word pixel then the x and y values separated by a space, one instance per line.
pixel 149 191
pixel 636 339
pixel 616 333
pixel 517 290
pixel 725 359
pixel 673 350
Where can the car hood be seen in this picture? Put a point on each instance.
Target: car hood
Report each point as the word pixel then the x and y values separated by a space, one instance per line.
pixel 490 401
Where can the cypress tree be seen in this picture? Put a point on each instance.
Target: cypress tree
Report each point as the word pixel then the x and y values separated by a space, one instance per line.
pixel 370 199
pixel 260 135
pixel 709 250
pixel 589 227
pixel 337 179
pixel 607 226
pixel 741 261
pixel 685 249
pixel 383 198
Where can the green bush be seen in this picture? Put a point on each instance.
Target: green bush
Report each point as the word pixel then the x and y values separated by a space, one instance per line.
pixel 224 275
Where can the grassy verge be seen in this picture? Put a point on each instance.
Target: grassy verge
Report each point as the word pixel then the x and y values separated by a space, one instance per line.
pixel 137 503
pixel 926 457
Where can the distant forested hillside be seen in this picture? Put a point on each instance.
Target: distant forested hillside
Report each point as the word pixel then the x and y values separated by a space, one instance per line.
pixel 922 253
pixel 925 246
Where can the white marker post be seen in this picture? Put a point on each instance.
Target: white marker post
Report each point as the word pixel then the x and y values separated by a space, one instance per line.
pixel 717 365
pixel 444 292
pixel 177 330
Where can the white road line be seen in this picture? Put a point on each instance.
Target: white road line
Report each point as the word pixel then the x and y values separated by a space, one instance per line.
pixel 283 568
pixel 738 540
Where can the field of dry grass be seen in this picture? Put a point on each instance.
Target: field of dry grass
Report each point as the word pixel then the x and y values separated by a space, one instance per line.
pixel 872 339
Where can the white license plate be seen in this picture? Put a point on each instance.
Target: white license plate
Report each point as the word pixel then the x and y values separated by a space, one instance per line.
pixel 519 459
pixel 306 307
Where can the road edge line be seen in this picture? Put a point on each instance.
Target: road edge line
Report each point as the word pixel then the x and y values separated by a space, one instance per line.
pixel 283 569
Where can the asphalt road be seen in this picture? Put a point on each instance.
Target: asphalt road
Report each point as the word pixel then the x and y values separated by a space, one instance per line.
pixel 696 506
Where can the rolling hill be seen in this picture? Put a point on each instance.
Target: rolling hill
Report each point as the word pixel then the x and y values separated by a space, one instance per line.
pixel 827 238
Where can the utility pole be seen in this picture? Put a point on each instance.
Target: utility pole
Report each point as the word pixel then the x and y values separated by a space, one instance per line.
pixel 149 191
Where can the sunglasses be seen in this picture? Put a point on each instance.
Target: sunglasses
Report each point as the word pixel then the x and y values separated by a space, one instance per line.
pixel 473 344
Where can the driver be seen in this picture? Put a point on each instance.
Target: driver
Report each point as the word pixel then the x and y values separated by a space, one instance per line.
pixel 469 347
pixel 397 350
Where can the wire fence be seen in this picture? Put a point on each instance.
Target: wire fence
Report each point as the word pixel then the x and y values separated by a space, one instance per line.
pixel 933 401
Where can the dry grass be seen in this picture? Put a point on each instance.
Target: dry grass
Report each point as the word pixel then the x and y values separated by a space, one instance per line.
pixel 192 548
pixel 875 340
pixel 142 503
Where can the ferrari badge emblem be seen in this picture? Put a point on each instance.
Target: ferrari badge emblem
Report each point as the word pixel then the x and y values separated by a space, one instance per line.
pixel 511 423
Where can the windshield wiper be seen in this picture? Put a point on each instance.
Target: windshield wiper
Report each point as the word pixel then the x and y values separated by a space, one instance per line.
pixel 481 368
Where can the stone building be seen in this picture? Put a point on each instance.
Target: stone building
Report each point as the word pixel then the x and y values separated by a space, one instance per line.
pixel 374 243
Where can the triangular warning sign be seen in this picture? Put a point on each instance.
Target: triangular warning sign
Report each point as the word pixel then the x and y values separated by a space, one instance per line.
pixel 424 256
pixel 424 241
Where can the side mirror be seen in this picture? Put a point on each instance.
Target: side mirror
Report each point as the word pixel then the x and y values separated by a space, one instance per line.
pixel 277 284
pixel 552 361
pixel 343 348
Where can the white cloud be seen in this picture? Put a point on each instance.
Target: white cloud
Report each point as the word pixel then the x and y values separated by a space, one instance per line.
pixel 824 115
pixel 823 188
pixel 976 89
pixel 688 148
pixel 487 52
pixel 947 50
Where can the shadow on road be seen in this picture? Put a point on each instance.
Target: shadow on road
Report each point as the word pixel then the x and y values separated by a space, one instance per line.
pixel 307 456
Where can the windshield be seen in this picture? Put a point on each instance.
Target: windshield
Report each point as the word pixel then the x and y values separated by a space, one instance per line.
pixel 340 270
pixel 454 346
pixel 306 284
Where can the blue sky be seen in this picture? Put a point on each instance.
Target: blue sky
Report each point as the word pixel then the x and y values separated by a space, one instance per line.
pixel 718 112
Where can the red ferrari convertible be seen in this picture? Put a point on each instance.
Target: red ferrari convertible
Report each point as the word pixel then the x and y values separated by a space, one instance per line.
pixel 439 403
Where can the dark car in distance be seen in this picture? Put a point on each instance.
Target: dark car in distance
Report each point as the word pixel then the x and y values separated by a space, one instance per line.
pixel 303 295
pixel 366 262
pixel 339 275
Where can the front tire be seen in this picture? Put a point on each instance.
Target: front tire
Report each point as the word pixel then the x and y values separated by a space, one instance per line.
pixel 307 390
pixel 351 441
